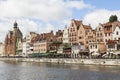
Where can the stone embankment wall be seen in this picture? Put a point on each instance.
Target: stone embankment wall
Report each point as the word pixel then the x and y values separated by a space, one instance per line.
pixel 65 60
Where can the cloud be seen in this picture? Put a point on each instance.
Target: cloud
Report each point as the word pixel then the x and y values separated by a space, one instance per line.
pixel 36 15
pixel 40 9
pixel 25 25
pixel 78 4
pixel 99 16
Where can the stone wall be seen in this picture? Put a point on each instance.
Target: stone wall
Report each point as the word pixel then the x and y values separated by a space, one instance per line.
pixel 62 61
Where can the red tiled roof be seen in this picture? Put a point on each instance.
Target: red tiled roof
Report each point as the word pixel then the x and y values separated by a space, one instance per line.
pixel 77 22
pixel 87 26
pixel 107 24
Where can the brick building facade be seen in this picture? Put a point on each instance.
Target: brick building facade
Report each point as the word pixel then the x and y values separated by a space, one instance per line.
pixel 11 41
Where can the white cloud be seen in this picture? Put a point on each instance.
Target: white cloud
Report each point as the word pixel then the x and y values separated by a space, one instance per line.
pixel 44 11
pixel 99 16
pixel 40 9
pixel 77 4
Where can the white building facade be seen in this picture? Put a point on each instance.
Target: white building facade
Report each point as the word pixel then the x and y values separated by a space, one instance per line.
pixel 65 36
pixel 116 33
pixel 24 48
pixel 29 45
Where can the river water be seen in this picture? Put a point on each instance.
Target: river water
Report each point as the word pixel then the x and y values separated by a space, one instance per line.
pixel 47 71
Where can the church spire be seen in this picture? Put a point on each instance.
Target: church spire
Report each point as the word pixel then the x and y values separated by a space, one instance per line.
pixel 15 25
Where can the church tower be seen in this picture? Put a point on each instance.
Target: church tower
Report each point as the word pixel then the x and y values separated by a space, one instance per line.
pixel 12 41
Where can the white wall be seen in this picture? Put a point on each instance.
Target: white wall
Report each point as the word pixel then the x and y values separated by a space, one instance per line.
pixel 117 29
pixel 24 50
pixel 65 36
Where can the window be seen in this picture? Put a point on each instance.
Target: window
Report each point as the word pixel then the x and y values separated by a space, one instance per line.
pixel 87 42
pixel 98 40
pixel 106 40
pixel 117 33
pixel 99 29
pixel 100 34
pixel 108 28
pixel 80 37
pixel 91 47
pixel 96 46
pixel 71 29
pixel 109 34
pixel 105 34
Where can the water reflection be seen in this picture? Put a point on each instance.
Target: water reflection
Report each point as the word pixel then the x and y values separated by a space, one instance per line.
pixel 47 71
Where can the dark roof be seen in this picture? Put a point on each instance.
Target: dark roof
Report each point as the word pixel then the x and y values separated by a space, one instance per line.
pixel 77 23
pixel 111 42
pixel 87 26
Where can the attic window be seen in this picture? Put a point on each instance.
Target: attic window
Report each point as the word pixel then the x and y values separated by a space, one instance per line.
pixel 117 33
pixel 99 29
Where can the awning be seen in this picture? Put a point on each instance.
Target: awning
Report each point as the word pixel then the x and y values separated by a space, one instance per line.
pixel 39 54
pixel 105 55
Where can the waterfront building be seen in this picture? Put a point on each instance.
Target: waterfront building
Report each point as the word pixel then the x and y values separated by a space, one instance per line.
pixel 29 45
pixel 67 52
pixel 65 35
pixel 113 48
pixel 48 36
pixel 11 41
pixel 24 47
pixel 58 37
pixel 1 49
pixel 60 49
pixel 109 28
pixel 40 46
pixel 54 46
pixel 75 50
pixel 97 48
pixel 113 45
pixel 116 31
pixel 90 37
pixel 85 35
pixel 72 30
pixel 42 41
pixel 100 33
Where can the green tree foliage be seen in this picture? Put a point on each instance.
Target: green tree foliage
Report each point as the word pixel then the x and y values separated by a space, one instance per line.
pixel 67 45
pixel 113 18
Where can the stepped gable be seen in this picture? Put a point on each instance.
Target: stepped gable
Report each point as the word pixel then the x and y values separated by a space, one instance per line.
pixel 77 23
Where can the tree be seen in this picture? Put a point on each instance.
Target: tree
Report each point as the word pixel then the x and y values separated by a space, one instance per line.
pixel 67 45
pixel 113 18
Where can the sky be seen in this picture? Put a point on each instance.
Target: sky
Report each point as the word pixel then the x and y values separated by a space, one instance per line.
pixel 42 16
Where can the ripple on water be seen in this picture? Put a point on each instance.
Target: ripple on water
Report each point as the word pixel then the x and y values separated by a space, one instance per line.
pixel 47 71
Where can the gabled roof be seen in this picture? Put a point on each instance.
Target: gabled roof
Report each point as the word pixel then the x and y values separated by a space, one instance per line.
pixel 87 27
pixel 78 22
pixel 111 23
pixel 107 24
